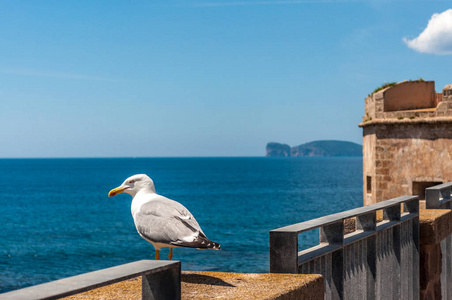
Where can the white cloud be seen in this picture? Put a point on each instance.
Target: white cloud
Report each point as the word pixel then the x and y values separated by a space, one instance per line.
pixel 436 37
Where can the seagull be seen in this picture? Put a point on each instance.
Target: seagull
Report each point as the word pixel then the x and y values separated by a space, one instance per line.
pixel 161 221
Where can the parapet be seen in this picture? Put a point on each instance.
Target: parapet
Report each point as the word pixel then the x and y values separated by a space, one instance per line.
pixel 408 102
pixel 434 225
pixel 209 285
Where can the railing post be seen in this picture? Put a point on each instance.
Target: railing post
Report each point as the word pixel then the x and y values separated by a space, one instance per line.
pixel 436 194
pixel 413 208
pixel 393 213
pixel 432 197
pixel 368 222
pixel 333 234
pixel 165 284
pixel 283 252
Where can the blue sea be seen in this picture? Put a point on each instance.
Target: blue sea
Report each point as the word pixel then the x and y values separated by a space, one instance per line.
pixel 56 219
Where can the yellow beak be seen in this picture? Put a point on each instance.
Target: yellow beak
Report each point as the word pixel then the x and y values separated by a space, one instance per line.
pixel 116 191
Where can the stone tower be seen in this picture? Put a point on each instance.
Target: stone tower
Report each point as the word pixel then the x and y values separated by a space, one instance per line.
pixel 407 140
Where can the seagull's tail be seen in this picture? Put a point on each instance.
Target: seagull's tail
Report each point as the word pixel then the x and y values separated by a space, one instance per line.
pixel 208 244
pixel 201 242
pixel 213 245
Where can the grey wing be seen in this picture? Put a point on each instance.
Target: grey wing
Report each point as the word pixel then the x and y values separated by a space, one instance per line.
pixel 168 222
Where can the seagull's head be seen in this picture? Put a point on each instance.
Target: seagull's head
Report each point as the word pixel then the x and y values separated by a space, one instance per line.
pixel 133 185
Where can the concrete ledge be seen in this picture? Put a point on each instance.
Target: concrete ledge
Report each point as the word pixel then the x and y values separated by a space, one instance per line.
pixel 128 289
pixel 392 121
pixel 434 225
pixel 211 285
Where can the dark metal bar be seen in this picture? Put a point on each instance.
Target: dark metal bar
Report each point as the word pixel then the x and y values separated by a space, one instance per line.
pixel 323 221
pixel 283 252
pixel 439 196
pixel 366 263
pixel 392 213
pixel 332 233
pixel 154 271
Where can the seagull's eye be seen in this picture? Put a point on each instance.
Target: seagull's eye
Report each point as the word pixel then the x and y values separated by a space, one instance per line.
pixel 131 181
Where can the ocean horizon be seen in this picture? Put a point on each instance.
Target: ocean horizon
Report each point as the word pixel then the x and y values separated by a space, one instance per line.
pixel 57 220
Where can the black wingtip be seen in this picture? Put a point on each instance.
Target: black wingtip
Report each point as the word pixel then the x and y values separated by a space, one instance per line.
pixel 208 244
pixel 216 246
pixel 200 243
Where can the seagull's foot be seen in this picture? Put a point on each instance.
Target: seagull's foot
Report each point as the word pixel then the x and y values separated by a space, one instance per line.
pixel 170 255
pixel 157 254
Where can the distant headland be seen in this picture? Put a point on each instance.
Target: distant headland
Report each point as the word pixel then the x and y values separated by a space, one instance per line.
pixel 315 148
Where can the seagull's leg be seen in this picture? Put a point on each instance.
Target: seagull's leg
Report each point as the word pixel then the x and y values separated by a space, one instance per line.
pixel 170 255
pixel 157 254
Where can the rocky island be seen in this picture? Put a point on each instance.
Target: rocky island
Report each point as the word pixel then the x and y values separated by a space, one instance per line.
pixel 315 148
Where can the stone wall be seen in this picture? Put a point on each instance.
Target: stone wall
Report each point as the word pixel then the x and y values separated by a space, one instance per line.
pixel 397 156
pixel 385 106
pixel 410 95
pixel 435 227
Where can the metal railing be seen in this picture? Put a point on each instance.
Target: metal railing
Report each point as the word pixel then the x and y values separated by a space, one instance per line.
pixel 160 280
pixel 377 261
pixel 440 197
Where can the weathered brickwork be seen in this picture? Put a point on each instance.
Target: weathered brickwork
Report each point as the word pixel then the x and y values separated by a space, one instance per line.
pixel 406 151
pixel 405 154
pixel 430 269
pixel 435 225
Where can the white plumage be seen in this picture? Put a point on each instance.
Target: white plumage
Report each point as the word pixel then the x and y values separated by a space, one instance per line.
pixel 161 221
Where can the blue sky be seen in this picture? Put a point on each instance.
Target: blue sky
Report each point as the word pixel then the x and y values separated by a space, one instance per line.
pixel 204 78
